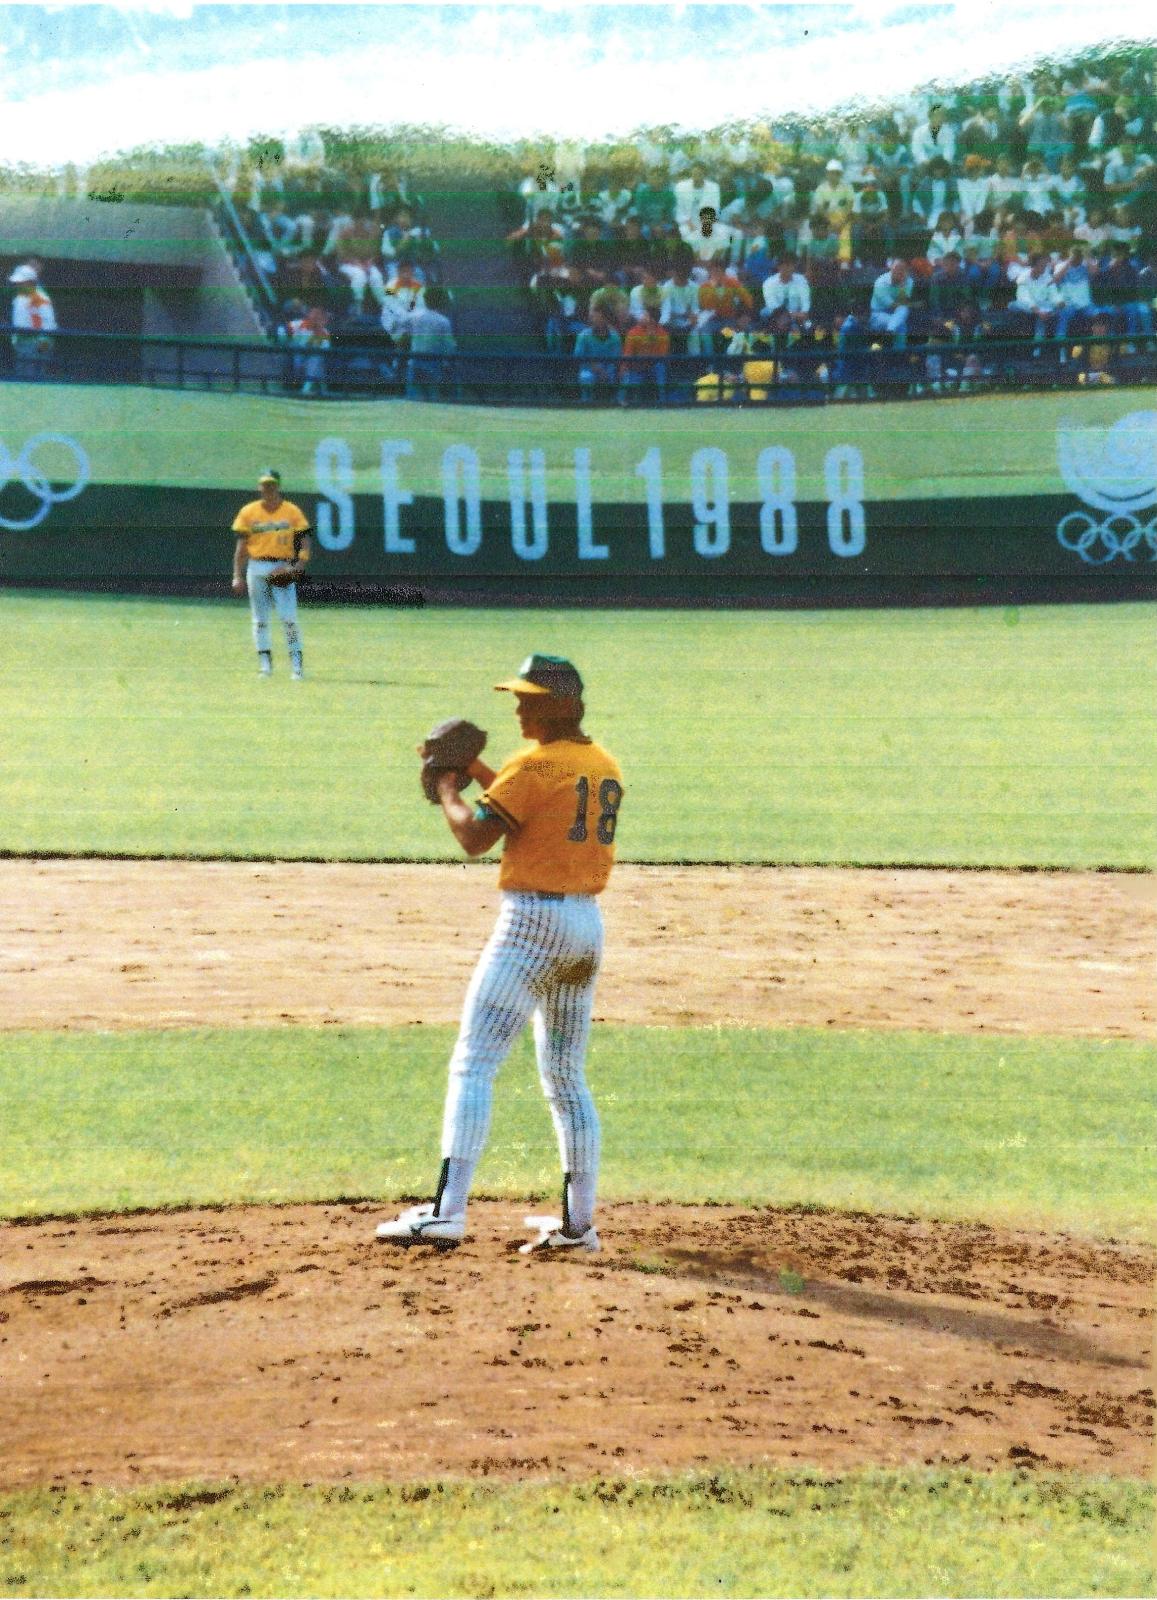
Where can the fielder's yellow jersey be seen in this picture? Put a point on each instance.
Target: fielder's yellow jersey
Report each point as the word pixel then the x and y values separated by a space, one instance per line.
pixel 562 802
pixel 271 535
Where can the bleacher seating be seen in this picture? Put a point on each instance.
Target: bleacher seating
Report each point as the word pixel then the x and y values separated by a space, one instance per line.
pixel 339 233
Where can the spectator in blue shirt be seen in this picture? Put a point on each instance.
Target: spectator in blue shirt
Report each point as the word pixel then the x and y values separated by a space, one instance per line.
pixel 599 348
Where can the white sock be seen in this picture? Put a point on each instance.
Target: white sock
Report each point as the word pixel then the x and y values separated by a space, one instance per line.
pixel 580 1197
pixel 455 1187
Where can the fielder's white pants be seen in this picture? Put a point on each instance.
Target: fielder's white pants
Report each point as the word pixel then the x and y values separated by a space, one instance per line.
pixel 541 961
pixel 264 597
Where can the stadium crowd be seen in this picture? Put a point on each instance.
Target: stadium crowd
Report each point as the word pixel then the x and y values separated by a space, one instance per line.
pixel 1026 209
pixel 779 255
pixel 348 258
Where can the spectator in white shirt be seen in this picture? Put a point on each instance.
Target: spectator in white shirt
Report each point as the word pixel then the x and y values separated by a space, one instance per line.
pixel 1125 168
pixel 1036 187
pixel 680 311
pixel 611 203
pixel 646 293
pixel 710 241
pixel 946 239
pixel 974 188
pixel 33 321
pixel 891 294
pixel 1006 189
pixel 1037 296
pixel 692 194
pixel 1070 192
pixel 1094 232
pixel 787 297
pixel 936 137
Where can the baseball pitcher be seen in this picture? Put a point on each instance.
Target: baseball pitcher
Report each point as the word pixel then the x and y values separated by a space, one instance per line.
pixel 555 805
pixel 272 549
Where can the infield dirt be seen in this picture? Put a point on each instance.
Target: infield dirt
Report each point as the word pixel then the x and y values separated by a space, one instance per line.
pixel 283 1342
pixel 155 944
pixel 286 1343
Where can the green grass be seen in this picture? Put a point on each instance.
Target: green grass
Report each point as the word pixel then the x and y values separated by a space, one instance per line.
pixel 971 737
pixel 1049 1131
pixel 731 1533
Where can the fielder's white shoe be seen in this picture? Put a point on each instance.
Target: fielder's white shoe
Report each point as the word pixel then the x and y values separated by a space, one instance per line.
pixel 298 677
pixel 419 1225
pixel 551 1237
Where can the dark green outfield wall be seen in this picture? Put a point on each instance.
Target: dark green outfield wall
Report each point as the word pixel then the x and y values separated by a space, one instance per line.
pixel 956 500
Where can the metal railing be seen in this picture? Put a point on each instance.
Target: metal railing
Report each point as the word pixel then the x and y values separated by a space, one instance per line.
pixel 240 247
pixel 367 369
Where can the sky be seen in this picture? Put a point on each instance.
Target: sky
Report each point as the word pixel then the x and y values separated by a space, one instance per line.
pixel 82 81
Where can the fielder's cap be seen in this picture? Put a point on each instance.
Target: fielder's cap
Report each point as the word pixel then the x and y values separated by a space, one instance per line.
pixel 552 675
pixel 269 476
pixel 834 166
pixel 24 274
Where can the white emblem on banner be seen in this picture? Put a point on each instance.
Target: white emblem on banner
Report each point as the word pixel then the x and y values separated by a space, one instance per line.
pixel 23 469
pixel 1114 470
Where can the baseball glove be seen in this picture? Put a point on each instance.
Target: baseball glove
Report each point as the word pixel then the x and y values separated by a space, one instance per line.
pixel 450 747
pixel 281 577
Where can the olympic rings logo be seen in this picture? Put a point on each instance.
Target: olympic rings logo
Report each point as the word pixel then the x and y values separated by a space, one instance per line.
pixel 23 470
pixel 1113 470
pixel 1098 542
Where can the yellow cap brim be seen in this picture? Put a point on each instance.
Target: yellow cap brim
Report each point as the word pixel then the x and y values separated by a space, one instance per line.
pixel 522 686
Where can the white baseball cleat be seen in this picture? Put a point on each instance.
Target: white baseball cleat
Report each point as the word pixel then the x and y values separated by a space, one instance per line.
pixel 551 1237
pixel 419 1225
pixel 298 677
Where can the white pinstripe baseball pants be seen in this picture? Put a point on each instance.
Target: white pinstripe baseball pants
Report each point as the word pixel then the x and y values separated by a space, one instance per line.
pixel 541 961
pixel 265 597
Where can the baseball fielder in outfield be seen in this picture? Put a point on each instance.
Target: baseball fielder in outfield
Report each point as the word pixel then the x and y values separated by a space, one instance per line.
pixel 272 549
pixel 555 805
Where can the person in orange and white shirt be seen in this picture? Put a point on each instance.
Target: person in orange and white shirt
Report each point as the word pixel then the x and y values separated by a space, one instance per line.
pixel 33 321
pixel 647 342
pixel 555 805
pixel 405 293
pixel 721 299
pixel 272 537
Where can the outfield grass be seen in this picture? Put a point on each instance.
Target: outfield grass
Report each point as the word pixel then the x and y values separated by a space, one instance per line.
pixel 733 1533
pixel 1053 1132
pixel 971 737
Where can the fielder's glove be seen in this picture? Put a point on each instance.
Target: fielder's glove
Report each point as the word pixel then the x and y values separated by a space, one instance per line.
pixel 281 577
pixel 450 747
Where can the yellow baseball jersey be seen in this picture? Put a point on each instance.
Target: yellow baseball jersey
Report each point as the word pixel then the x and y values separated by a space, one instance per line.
pixel 271 535
pixel 561 801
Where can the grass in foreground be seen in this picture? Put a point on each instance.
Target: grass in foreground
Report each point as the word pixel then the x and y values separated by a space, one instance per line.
pixel 731 1533
pixel 963 737
pixel 1053 1132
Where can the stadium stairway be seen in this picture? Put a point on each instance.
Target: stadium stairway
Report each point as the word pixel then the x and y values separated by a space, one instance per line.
pixel 490 308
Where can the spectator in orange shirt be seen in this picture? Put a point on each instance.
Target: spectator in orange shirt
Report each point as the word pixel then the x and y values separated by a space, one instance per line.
pixel 648 342
pixel 721 300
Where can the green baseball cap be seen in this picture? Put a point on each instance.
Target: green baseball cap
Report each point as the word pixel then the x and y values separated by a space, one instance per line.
pixel 552 675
